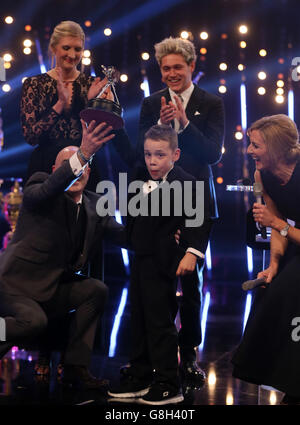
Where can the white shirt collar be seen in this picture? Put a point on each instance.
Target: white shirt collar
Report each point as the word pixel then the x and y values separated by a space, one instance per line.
pixel 186 94
pixel 80 200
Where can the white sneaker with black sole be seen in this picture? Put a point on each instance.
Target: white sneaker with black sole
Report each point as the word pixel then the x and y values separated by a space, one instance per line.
pixel 161 393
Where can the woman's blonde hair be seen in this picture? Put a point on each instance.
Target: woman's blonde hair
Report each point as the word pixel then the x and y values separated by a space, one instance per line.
pixel 65 29
pixel 281 137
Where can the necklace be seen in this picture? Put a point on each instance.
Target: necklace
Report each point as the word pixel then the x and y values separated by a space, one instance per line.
pixel 69 80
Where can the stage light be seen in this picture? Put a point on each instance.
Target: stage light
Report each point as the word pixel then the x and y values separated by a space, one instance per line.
pixel 261 91
pixel 124 78
pixel 222 89
pixel 263 52
pixel 203 51
pixel 262 75
pixel 280 76
pixel 28 28
pixel 224 36
pixel 23 79
pixel 223 150
pixel 203 35
pixel 7 65
pixel 6 88
pixel 241 67
pixel 212 378
pixel 107 32
pixel 87 54
pixel 280 83
pixel 280 91
pixel 88 23
pixel 7 57
pixel 27 42
pixel 27 50
pixel 243 29
pixel 223 66
pixel 279 98
pixel 238 135
pixel 219 180
pixel 243 44
pixel 142 86
pixel 273 398
pixel 184 35
pixel 281 61
pixel 9 20
pixel 145 56
pixel 86 61
pixel 229 399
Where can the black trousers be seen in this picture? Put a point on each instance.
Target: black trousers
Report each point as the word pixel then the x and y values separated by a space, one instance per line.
pixel 190 334
pixel 154 336
pixel 26 318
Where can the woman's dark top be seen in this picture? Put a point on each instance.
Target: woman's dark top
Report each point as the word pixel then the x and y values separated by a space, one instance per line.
pixel 286 197
pixel 44 127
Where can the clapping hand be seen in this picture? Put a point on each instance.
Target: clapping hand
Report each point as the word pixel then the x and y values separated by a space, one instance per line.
pixel 62 88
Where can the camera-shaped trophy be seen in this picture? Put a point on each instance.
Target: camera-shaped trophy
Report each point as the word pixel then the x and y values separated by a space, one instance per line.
pixel 105 110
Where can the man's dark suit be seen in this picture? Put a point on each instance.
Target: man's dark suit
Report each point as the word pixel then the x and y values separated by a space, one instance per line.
pixel 153 285
pixel 201 146
pixel 38 269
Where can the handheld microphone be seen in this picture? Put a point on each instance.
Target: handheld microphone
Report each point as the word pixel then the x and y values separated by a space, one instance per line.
pixel 257 190
pixel 250 284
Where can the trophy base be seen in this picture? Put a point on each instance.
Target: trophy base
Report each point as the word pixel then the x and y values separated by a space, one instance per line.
pixel 103 110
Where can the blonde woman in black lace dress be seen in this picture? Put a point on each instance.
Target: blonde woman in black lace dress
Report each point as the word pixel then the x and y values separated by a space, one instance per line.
pixel 51 102
pixel 50 107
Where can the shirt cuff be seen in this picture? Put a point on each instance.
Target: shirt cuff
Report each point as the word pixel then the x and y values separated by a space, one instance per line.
pixel 76 166
pixel 2 329
pixel 196 252
pixel 182 129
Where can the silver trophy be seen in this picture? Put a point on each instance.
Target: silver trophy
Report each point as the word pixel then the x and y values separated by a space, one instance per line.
pixel 105 110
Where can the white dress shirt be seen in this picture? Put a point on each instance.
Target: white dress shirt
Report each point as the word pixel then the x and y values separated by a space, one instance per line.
pixel 153 184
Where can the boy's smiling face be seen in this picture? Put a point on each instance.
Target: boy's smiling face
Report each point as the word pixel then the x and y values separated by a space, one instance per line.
pixel 159 157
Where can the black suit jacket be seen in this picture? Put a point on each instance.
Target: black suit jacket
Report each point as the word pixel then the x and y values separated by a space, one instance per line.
pixel 155 234
pixel 39 254
pixel 200 143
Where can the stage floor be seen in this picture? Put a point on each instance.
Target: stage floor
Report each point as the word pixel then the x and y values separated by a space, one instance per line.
pixel 224 305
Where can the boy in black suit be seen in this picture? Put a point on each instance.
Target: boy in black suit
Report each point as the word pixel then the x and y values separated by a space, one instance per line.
pixel 198 118
pixel 157 261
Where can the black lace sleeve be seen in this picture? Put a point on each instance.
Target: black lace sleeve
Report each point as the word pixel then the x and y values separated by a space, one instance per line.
pixel 37 114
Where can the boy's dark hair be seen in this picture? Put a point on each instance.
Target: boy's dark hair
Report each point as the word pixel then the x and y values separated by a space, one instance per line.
pixel 163 132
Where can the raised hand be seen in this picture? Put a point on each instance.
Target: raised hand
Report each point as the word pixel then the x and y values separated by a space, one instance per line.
pixel 167 111
pixel 180 113
pixel 94 136
pixel 62 89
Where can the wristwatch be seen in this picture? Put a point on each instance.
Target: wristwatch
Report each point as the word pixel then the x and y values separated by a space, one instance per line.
pixel 285 230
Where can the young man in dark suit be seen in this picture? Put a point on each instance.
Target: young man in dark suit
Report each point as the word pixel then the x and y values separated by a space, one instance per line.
pixel 157 261
pixel 198 118
pixel 57 231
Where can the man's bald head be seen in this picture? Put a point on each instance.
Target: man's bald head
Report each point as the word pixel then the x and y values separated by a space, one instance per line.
pixel 64 155
pixel 78 186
